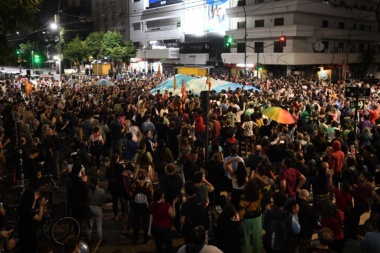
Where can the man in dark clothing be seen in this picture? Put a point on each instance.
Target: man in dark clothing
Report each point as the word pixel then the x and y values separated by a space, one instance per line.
pixel 288 221
pixel 130 147
pixel 191 166
pixel 187 210
pixel 255 159
pixel 117 134
pixel 51 145
pixel 308 222
pixel 177 119
pixel 30 164
pixel 302 167
pixel 87 127
pixel 162 130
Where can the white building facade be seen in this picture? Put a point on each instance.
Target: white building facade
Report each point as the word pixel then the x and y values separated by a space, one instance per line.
pixel 333 33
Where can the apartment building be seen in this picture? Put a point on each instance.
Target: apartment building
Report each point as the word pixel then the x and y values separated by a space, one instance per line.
pixel 328 36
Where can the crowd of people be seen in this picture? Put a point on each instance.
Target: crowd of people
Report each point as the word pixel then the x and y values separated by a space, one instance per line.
pixel 317 175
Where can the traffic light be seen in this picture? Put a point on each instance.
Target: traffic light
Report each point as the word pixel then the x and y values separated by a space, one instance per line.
pixel 259 67
pixel 283 41
pixel 228 40
pixel 18 52
pixel 37 58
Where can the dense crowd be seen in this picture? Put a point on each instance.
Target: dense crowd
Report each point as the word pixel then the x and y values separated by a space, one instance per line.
pixel 154 145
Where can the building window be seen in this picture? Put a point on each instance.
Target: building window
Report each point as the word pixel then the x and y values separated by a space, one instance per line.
pixel 241 25
pixel 278 21
pixel 240 47
pixel 362 27
pixel 178 24
pixel 325 23
pixel 259 1
pixel 136 26
pixel 341 25
pixel 259 23
pixel 369 28
pixel 259 47
pixel 136 44
pixel 134 1
pixel 277 48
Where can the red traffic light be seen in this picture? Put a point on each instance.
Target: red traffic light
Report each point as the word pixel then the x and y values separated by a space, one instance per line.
pixel 283 41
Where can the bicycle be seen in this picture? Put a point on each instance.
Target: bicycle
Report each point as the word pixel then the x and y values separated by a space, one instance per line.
pixel 63 228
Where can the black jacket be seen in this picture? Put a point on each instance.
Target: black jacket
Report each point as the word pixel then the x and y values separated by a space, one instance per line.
pixel 228 235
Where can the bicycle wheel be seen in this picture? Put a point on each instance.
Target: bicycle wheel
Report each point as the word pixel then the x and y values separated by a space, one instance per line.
pixel 63 228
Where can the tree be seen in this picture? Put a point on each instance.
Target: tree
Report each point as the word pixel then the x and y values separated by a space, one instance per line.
pixel 94 44
pixel 75 50
pixel 15 15
pixel 114 46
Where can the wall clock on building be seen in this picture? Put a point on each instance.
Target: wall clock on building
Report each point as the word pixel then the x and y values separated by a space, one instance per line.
pixel 318 47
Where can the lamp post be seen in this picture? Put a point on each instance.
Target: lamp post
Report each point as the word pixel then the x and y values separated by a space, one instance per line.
pixel 242 4
pixel 32 61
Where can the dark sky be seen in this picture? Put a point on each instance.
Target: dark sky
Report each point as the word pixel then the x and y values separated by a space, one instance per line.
pixel 48 9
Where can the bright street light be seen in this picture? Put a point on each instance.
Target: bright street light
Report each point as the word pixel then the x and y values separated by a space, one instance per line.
pixel 54 26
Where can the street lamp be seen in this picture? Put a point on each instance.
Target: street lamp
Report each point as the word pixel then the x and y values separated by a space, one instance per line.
pixel 242 4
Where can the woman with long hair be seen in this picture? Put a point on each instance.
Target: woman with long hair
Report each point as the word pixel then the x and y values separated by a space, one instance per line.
pixel 142 190
pixel 250 213
pixel 113 175
pixel 239 179
pixel 162 213
pixel 95 198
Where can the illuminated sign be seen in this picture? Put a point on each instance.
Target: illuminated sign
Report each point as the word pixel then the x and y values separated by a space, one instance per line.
pixel 158 3
pixel 194 48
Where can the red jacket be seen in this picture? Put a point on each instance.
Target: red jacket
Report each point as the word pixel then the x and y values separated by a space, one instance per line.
pixel 336 158
pixel 199 125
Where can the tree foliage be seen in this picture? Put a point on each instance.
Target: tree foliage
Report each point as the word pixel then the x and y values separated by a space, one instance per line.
pixel 75 50
pixel 14 15
pixel 94 43
pixel 114 46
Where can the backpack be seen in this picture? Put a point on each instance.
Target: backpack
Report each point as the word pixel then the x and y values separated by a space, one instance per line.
pixel 141 195
pixel 200 216
pixel 276 235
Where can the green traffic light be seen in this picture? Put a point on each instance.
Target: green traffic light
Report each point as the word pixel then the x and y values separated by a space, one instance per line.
pixel 36 58
pixel 17 51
